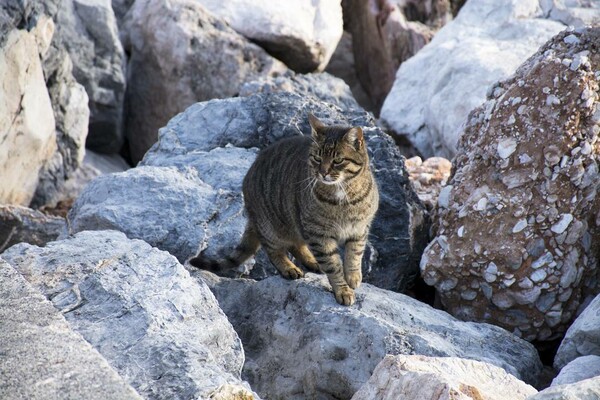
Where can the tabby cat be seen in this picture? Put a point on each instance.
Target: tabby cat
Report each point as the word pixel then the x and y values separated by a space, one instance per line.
pixel 309 195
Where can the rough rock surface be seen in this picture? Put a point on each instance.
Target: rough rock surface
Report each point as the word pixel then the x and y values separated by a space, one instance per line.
pixel 428 177
pixel 441 378
pixel 196 143
pixel 71 113
pixel 302 33
pixel 300 343
pixel 87 31
pixel 577 370
pixel 159 328
pixel 582 337
pixel 193 57
pixel 588 389
pixel 42 358
pixel 385 34
pixel 436 89
pixel 27 136
pixel 516 240
pixel 21 224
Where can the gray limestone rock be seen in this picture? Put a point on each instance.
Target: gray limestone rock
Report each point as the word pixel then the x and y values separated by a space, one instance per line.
pixel 301 344
pixel 582 337
pixel 399 231
pixel 579 369
pixel 160 329
pixel 42 358
pixel 193 57
pixel 588 389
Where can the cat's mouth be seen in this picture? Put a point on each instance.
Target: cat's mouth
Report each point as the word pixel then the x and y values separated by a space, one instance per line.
pixel 328 180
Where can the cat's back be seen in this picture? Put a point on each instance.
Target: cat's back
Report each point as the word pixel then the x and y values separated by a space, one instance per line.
pixel 280 162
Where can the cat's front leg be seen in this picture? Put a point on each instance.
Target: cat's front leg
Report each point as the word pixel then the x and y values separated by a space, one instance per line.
pixel 327 255
pixel 353 253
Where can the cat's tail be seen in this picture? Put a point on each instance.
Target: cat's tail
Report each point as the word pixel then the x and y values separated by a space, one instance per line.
pixel 248 247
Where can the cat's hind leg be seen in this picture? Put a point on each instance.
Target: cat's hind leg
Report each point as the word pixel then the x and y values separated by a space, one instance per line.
pixel 302 253
pixel 280 259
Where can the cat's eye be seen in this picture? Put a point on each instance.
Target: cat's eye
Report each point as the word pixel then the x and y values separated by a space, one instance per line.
pixel 338 161
pixel 316 158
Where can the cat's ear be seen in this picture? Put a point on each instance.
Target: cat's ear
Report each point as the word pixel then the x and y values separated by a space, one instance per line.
pixel 355 137
pixel 316 126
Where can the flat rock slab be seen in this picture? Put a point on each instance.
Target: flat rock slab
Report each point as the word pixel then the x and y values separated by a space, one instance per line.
pixel 301 344
pixel 588 389
pixel 579 369
pixel 160 329
pixel 441 378
pixel 41 356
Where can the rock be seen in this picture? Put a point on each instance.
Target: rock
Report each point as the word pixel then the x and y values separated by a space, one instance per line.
pixel 196 143
pixel 588 389
pixel 42 358
pixel 572 12
pixel 193 57
pixel 87 31
pixel 579 369
pixel 160 329
pixel 21 224
pixel 323 86
pixel 120 8
pixel 518 222
pixel 436 89
pixel 71 112
pixel 300 343
pixel 342 65
pixel 383 38
pixel 28 138
pixel 303 34
pixel 444 378
pixel 428 177
pixel 582 337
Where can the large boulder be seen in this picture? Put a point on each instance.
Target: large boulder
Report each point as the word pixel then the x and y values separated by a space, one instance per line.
pixel 159 328
pixel 441 378
pixel 387 33
pixel 194 56
pixel 300 343
pixel 579 369
pixel 42 358
pixel 435 90
pixel 518 225
pixel 582 337
pixel 216 141
pixel 588 389
pixel 302 33
pixel 87 31
pixel 28 138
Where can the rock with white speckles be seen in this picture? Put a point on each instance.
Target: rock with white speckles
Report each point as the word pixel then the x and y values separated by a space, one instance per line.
pixel 539 223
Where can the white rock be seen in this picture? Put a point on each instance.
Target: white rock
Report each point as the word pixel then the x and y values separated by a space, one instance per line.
pixel 442 378
pixel 301 33
pixel 506 147
pixel 436 89
pixel 562 224
pixel 28 138
pixel 519 226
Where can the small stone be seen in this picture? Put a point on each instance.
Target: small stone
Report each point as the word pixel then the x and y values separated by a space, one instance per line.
pixel 539 275
pixel 507 146
pixel 543 260
pixel 519 226
pixel 562 224
pixel 444 197
pixel 571 39
pixel 468 294
pixel 481 204
pixel 461 231
pixel 552 100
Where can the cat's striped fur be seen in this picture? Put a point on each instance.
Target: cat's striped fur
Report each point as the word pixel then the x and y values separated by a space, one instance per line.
pixel 309 195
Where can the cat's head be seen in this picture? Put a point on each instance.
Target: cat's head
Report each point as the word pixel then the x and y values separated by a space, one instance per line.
pixel 338 153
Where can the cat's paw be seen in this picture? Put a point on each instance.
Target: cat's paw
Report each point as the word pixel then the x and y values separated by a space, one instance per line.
pixel 293 273
pixel 353 279
pixel 345 296
pixel 313 267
